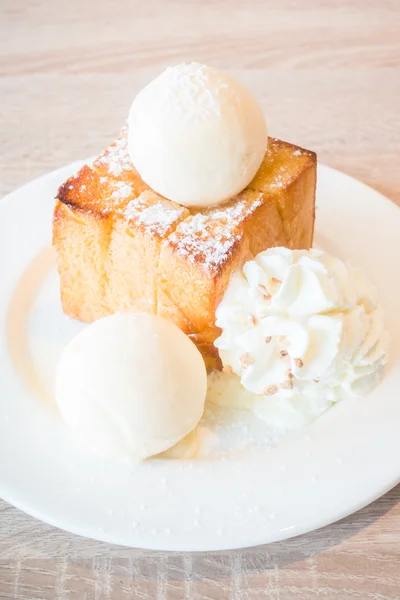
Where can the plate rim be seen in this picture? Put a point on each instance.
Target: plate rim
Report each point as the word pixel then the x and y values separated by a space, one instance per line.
pixel 6 201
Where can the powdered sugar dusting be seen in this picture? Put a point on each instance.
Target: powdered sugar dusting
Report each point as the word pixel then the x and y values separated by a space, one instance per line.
pixel 123 192
pixel 204 240
pixel 279 182
pixel 192 90
pixel 209 237
pixel 237 211
pixel 157 217
pixel 280 178
pixel 281 166
pixel 116 157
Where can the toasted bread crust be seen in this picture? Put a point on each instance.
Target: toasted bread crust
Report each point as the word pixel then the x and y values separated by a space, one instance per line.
pixel 121 246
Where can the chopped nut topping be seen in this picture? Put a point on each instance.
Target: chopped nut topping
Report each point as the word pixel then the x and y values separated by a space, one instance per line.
pixel 264 291
pixel 228 369
pixel 275 281
pixel 316 380
pixel 268 339
pixel 290 374
pixel 246 359
pixel 252 320
pixel 270 390
pixel 287 385
pixel 283 353
pixel 298 362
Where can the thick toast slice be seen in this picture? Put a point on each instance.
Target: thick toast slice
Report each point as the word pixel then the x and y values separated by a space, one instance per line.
pixel 121 246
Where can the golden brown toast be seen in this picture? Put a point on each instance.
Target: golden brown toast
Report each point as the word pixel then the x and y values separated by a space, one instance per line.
pixel 123 247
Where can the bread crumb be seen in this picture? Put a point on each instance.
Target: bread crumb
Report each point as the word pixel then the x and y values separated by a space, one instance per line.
pixel 246 360
pixel 270 390
pixel 287 385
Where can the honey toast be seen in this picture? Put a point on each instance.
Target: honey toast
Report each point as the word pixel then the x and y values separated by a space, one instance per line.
pixel 121 246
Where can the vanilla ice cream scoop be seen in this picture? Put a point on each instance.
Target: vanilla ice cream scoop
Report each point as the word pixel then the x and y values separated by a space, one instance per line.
pixel 131 384
pixel 196 135
pixel 302 322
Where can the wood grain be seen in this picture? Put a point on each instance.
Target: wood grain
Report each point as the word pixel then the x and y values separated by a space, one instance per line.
pixel 328 75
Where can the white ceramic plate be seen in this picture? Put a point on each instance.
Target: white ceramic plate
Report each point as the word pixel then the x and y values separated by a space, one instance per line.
pixel 240 494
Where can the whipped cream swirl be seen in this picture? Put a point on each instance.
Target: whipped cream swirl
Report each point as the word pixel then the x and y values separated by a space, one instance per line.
pixel 302 322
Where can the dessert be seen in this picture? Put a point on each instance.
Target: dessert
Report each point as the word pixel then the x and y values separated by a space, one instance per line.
pixel 226 392
pixel 121 246
pixel 195 222
pixel 196 135
pixel 302 322
pixel 131 384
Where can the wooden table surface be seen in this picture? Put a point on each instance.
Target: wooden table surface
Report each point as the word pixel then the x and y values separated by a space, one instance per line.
pixel 327 73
